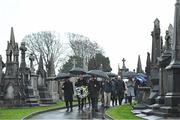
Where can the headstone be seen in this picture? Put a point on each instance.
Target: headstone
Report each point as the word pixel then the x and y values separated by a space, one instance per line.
pixel 34 77
pixel 172 97
pixel 164 60
pixel 51 83
pixel 25 76
pixel 123 70
pixel 12 94
pixel 156 52
pixel 45 97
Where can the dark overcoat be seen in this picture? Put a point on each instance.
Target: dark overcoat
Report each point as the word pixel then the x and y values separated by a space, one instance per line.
pixel 93 88
pixel 120 88
pixel 68 90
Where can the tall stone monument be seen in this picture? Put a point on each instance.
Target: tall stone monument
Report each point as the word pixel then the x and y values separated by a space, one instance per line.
pixel 33 77
pixel 123 70
pixel 139 65
pixel 156 52
pixel 11 88
pixel 164 60
pixel 172 97
pixel 25 77
pixel 45 97
pixel 52 85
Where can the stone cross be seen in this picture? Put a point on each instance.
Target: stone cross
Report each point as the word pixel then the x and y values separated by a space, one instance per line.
pixel 123 60
pixel 31 58
pixel 23 50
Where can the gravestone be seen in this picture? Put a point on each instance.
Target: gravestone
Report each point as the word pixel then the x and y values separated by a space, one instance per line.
pixel 156 52
pixel 123 70
pixel 25 77
pixel 52 84
pixel 164 60
pixel 172 97
pixel 12 95
pixel 45 97
pixel 34 77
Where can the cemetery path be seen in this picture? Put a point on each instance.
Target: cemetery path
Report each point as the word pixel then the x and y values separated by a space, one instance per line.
pixel 63 115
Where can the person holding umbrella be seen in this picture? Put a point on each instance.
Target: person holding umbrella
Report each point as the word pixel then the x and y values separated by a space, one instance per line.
pixel 68 94
pixel 80 83
pixel 93 88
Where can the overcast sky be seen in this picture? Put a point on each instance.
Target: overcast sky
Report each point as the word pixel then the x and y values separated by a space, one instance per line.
pixel 121 27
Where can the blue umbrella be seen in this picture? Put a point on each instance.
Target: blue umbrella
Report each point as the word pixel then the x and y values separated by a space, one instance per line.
pixel 141 78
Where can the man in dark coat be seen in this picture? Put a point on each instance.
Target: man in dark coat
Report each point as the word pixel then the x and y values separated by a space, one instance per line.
pixel 120 89
pixel 80 83
pixel 68 94
pixel 114 92
pixel 93 88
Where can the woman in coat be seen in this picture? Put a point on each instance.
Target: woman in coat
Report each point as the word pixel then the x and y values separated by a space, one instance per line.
pixel 68 94
pixel 130 90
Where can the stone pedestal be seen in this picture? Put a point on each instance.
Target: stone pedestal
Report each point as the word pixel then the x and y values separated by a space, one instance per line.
pixel 30 99
pixel 53 88
pixel 45 97
pixel 34 83
pixel 172 98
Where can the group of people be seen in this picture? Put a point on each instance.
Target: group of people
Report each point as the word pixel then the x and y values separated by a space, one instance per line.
pixel 115 89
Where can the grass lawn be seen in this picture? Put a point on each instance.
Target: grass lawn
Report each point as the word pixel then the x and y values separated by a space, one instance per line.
pixel 19 113
pixel 122 112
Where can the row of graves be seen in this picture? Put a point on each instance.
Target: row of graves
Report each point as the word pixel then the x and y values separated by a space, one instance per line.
pixel 21 85
pixel 162 91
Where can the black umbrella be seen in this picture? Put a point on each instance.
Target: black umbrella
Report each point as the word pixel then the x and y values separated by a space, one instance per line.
pixel 98 73
pixel 110 74
pixel 62 76
pixel 77 71
pixel 86 76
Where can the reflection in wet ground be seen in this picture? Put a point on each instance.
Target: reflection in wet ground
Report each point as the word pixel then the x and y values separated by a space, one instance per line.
pixel 63 115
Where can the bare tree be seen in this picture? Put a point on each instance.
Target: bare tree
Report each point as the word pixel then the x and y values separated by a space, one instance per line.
pixel 83 47
pixel 46 43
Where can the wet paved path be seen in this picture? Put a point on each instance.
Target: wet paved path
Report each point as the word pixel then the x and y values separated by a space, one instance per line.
pixel 63 115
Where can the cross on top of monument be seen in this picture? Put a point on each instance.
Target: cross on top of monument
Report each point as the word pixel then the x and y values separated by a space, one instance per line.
pixel 23 47
pixel 31 57
pixel 123 60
